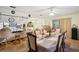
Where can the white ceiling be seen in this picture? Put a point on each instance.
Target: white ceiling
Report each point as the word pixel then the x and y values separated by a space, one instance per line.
pixel 43 11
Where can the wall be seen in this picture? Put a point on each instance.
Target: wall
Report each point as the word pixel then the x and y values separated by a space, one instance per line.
pixel 74 20
pixel 38 22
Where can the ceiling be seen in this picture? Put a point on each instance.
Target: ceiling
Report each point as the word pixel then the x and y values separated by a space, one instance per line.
pixel 42 11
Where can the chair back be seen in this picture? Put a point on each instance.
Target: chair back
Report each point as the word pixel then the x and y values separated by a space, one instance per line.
pixel 58 30
pixel 63 40
pixel 59 43
pixel 65 34
pixel 32 42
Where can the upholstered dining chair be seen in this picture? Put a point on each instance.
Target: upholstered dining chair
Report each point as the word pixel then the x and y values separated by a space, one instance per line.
pixel 32 42
pixel 2 46
pixel 60 43
pixel 63 41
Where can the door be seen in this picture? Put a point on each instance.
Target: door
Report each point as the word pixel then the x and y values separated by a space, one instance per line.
pixel 65 25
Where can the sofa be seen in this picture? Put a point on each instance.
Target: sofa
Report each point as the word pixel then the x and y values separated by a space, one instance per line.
pixel 13 42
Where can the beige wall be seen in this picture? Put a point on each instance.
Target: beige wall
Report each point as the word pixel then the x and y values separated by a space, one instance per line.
pixel 38 22
pixel 41 21
pixel 74 20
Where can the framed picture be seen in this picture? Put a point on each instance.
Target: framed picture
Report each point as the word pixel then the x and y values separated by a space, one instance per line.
pixel 56 23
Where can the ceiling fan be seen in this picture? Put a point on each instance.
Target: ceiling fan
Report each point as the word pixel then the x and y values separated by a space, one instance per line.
pixel 13 11
pixel 50 10
pixel 52 13
pixel 29 15
pixel 12 6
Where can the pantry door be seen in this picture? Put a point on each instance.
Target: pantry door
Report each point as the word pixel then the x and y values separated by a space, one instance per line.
pixel 65 25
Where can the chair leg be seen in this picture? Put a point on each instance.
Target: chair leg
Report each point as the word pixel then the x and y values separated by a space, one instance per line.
pixel 61 49
pixel 63 46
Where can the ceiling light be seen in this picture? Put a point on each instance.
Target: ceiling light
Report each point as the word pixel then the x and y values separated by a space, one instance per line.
pixel 51 11
pixel 13 11
pixel 29 15
pixel 51 14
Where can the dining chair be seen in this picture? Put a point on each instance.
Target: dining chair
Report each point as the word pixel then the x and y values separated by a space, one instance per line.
pixel 2 46
pixel 32 42
pixel 63 40
pixel 60 43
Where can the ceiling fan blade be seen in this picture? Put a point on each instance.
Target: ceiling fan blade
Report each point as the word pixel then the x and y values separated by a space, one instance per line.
pixel 40 10
pixel 52 7
pixel 12 6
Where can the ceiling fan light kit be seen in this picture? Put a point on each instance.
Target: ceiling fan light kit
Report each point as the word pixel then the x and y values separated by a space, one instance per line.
pixel 51 14
pixel 51 11
pixel 13 11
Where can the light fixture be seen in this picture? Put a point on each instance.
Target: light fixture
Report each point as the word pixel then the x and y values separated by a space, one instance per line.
pixel 51 11
pixel 11 19
pixel 13 11
pixel 29 15
pixel 51 14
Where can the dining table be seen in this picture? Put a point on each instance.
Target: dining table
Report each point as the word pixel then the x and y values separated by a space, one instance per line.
pixel 48 43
